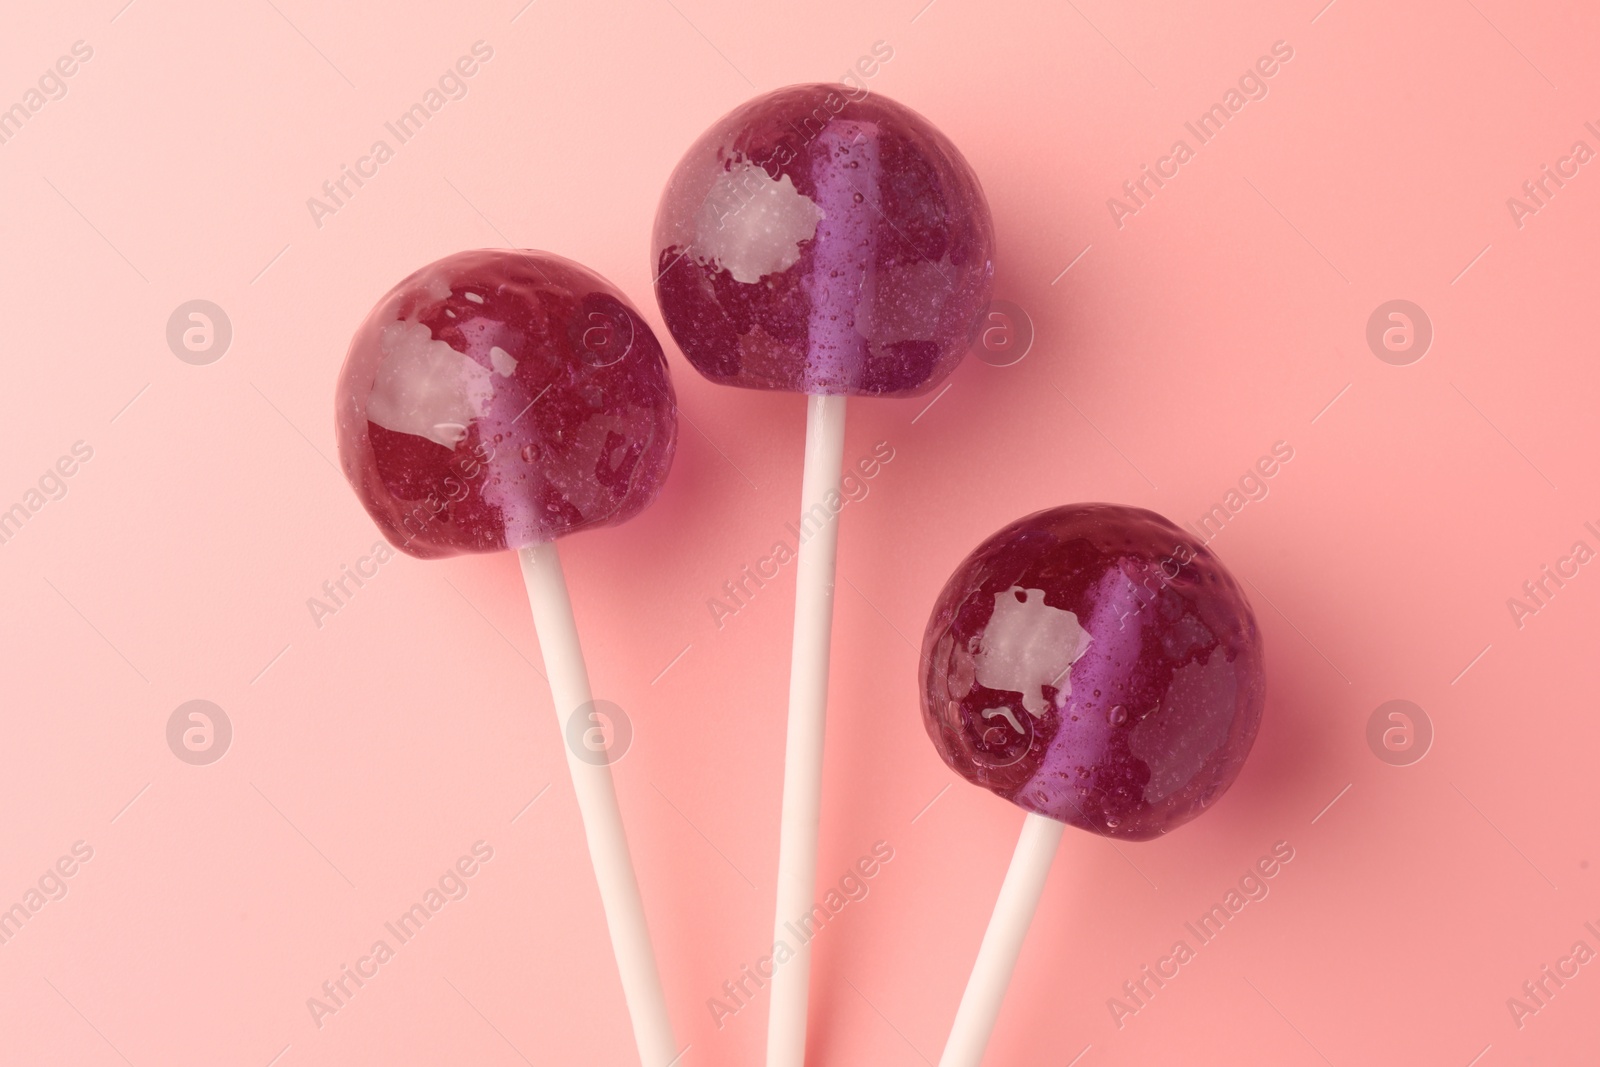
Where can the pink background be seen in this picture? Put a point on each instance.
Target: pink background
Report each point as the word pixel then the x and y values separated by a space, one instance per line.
pixel 369 753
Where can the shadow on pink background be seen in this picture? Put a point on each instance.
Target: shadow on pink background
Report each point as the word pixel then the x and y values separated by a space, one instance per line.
pixel 1175 345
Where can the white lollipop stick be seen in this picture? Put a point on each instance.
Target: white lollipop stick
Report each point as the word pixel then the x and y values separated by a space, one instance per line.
pixel 597 803
pixel 808 708
pixel 1002 941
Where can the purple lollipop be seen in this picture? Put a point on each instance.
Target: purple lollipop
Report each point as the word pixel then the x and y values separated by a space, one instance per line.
pixel 835 244
pixel 1097 666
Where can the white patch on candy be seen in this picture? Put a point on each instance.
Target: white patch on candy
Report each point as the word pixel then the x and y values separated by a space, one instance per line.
pixel 1176 748
pixel 1004 713
pixel 1028 645
pixel 426 388
pixel 752 226
pixel 505 364
pixel 436 286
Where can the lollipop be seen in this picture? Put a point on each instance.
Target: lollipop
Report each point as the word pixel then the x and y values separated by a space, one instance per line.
pixel 834 245
pixel 499 400
pixel 1097 666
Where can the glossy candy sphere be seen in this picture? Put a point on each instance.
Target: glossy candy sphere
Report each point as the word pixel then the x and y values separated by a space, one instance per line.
pixel 496 399
pixel 822 241
pixel 1096 664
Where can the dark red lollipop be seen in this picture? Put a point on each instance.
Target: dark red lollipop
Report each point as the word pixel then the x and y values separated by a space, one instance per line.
pixel 501 399
pixel 835 244
pixel 1097 666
